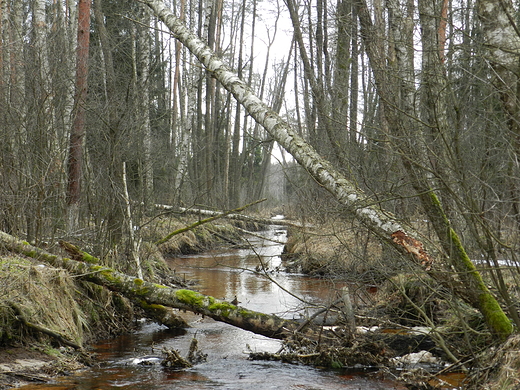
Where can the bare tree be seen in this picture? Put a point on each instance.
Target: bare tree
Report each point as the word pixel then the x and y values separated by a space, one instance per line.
pixel 77 134
pixel 405 240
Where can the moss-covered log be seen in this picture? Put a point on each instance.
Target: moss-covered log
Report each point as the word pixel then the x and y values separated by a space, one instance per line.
pixel 156 294
pixel 159 313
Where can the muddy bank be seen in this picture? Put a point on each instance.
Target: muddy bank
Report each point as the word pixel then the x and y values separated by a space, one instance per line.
pixel 48 318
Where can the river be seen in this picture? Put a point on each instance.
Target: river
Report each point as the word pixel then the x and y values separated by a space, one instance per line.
pixel 223 274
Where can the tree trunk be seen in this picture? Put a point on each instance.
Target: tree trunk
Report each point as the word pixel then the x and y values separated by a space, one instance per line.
pixel 144 107
pixel 154 294
pixel 384 225
pixel 395 90
pixel 77 133
pixel 114 164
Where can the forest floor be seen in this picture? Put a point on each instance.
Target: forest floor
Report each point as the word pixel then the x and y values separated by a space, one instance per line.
pixel 50 297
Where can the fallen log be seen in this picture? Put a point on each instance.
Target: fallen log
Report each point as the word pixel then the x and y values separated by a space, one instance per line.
pixel 155 294
pixel 231 215
pixel 159 313
pixel 203 221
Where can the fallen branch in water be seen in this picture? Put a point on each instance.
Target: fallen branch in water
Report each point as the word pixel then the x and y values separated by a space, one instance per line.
pixel 155 294
pixel 203 221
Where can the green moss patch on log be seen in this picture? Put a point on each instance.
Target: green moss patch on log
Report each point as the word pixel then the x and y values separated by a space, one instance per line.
pixel 496 319
pixel 191 298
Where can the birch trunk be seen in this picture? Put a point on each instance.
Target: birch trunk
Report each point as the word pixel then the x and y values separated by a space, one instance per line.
pixel 381 223
pixel 144 105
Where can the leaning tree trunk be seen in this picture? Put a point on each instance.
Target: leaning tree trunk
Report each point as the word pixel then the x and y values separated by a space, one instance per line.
pixel 381 223
pixel 151 295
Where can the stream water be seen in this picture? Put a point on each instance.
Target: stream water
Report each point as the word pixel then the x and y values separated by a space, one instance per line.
pixel 223 274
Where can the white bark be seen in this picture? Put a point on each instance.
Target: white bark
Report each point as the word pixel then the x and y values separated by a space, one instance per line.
pixel 500 32
pixel 383 224
pixel 134 241
pixel 144 97
pixel 377 220
pixel 41 49
pixel 238 217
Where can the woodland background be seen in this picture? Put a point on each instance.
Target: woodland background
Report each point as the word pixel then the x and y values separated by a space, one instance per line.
pixel 444 74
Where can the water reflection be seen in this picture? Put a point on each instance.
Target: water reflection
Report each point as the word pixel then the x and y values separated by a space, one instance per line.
pixel 222 274
pixel 240 272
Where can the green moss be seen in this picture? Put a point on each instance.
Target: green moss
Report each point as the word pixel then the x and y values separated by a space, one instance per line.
pixel 151 306
pixel 52 352
pixel 495 318
pixel 190 297
pixel 247 314
pixel 463 256
pixel 224 308
pixel 87 258
pixel 138 282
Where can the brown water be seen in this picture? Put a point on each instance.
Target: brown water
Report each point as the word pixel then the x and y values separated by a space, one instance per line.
pixel 223 274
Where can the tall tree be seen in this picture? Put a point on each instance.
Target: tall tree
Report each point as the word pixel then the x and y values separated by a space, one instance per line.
pixel 405 240
pixel 143 95
pixel 77 134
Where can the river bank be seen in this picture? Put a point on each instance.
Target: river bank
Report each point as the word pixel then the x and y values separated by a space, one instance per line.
pixel 65 308
pixel 97 306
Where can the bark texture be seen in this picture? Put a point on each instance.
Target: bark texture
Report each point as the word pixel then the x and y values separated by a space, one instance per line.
pixel 381 223
pixel 155 294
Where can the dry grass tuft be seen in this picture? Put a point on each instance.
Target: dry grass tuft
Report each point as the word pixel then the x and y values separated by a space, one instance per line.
pixel 340 248
pixel 503 368
pixel 44 295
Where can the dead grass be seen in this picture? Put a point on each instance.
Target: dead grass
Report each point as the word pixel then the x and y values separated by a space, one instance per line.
pixel 53 299
pixel 201 238
pixel 340 248
pixel 44 295
pixel 501 368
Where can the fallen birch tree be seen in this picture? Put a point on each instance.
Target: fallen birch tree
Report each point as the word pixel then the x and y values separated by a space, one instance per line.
pixel 448 263
pixel 213 216
pixel 152 295
pixel 231 215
